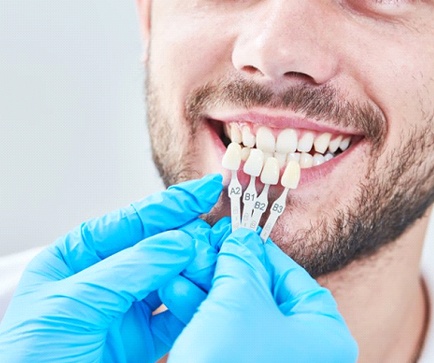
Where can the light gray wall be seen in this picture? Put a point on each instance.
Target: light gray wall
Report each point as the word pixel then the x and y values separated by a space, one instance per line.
pixel 73 140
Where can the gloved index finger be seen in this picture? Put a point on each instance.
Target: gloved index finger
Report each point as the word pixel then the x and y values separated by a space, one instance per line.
pixel 167 210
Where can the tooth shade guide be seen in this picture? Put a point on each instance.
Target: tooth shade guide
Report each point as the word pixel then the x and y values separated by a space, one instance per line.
pixel 232 158
pixel 255 162
pixel 249 198
pixel 291 176
pixel 290 180
pixel 271 172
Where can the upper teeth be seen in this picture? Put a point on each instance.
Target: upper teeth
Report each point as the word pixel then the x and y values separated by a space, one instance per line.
pixel 309 148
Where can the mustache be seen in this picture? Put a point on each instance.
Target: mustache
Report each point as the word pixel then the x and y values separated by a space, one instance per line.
pixel 315 102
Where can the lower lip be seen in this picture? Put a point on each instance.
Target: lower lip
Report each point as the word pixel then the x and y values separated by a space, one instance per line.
pixel 309 175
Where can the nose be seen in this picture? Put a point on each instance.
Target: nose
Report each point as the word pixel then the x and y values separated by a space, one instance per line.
pixel 284 39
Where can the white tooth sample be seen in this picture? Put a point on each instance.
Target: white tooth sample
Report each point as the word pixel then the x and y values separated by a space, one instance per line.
pixel 232 158
pixel 334 144
pixel 328 156
pixel 235 134
pixel 269 176
pixel 318 159
pixel 345 143
pixel 231 161
pixel 265 140
pixel 306 160
pixel 245 152
pixel 291 175
pixel 249 139
pixel 252 167
pixel 322 142
pixel 294 157
pixel 290 180
pixel 271 172
pixel 287 141
pixel 281 158
pixel 306 142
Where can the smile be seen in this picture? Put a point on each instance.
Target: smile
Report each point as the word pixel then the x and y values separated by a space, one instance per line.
pixel 308 148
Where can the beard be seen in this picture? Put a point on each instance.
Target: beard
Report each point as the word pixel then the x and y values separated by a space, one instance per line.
pixel 388 199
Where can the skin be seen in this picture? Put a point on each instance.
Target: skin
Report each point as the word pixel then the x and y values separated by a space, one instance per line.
pixel 375 56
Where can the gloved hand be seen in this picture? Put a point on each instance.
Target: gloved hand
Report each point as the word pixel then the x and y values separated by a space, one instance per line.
pixel 90 296
pixel 262 307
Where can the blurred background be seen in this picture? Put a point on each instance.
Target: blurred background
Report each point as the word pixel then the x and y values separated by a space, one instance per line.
pixel 73 137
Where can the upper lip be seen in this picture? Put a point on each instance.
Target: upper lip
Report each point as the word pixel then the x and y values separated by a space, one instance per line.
pixel 281 120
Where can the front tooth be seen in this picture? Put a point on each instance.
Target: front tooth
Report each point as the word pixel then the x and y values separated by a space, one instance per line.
pixel 318 159
pixel 227 130
pixel 334 144
pixel 281 158
pixel 306 142
pixel 271 172
pixel 306 160
pixel 322 142
pixel 245 152
pixel 265 140
pixel 286 141
pixel 294 157
pixel 248 137
pixel 235 134
pixel 345 143
pixel 268 155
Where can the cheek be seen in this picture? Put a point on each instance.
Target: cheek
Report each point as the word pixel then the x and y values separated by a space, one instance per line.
pixel 188 51
pixel 397 74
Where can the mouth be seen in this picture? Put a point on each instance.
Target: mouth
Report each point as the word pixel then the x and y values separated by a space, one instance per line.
pixel 317 148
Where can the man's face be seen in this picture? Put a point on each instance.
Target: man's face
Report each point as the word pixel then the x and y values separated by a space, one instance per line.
pixel 360 70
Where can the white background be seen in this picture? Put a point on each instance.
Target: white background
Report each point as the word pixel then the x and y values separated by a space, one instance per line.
pixel 73 137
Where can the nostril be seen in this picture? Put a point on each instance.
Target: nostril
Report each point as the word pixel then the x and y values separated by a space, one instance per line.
pixel 300 76
pixel 251 70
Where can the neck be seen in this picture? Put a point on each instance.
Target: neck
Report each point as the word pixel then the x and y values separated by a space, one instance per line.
pixel 383 300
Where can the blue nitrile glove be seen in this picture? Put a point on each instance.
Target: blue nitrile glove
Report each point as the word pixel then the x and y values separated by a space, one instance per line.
pixel 89 297
pixel 183 294
pixel 263 307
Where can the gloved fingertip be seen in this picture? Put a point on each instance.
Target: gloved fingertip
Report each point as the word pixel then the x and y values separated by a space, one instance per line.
pixel 181 297
pixel 219 232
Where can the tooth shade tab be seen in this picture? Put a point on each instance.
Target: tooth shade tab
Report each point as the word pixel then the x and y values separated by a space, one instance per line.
pixel 254 163
pixel 291 175
pixel 265 140
pixel 248 138
pixel 232 158
pixel 287 141
pixel 271 172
